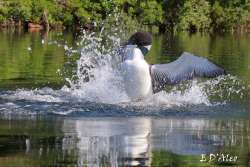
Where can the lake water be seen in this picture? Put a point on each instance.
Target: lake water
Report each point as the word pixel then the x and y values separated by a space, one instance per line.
pixel 51 116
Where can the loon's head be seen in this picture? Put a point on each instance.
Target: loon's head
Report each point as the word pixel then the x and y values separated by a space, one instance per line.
pixel 143 40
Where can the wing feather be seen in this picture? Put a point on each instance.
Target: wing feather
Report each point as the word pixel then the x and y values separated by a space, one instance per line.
pixel 186 67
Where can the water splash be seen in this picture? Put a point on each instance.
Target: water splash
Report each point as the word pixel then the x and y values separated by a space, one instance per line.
pixel 98 79
pixel 194 95
pixel 42 95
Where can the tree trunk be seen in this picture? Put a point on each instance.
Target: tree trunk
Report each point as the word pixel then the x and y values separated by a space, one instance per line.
pixel 45 20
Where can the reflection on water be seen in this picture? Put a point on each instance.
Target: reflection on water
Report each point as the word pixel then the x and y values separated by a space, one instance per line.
pixel 121 141
pixel 116 141
pixel 32 59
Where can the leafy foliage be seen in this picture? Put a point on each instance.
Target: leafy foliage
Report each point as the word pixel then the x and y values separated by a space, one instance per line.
pixel 219 15
pixel 195 15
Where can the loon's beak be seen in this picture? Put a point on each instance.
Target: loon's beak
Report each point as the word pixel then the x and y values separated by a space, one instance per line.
pixel 148 47
pixel 145 49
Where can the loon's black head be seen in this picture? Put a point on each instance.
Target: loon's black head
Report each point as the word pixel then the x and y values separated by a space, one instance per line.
pixel 143 40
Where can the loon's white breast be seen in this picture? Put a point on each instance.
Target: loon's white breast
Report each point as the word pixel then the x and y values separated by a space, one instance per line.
pixel 137 79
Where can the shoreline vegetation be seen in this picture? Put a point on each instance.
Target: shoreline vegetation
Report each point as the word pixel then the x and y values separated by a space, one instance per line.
pixel 164 15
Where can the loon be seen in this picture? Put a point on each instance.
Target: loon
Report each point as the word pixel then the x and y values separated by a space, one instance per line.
pixel 142 79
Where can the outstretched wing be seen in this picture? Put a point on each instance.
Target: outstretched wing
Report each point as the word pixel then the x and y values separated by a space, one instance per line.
pixel 186 67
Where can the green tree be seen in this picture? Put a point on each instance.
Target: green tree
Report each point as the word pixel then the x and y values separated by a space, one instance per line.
pixel 218 17
pixel 195 15
pixel 152 13
pixel 172 10
pixel 167 14
pixel 19 10
pixel 3 13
